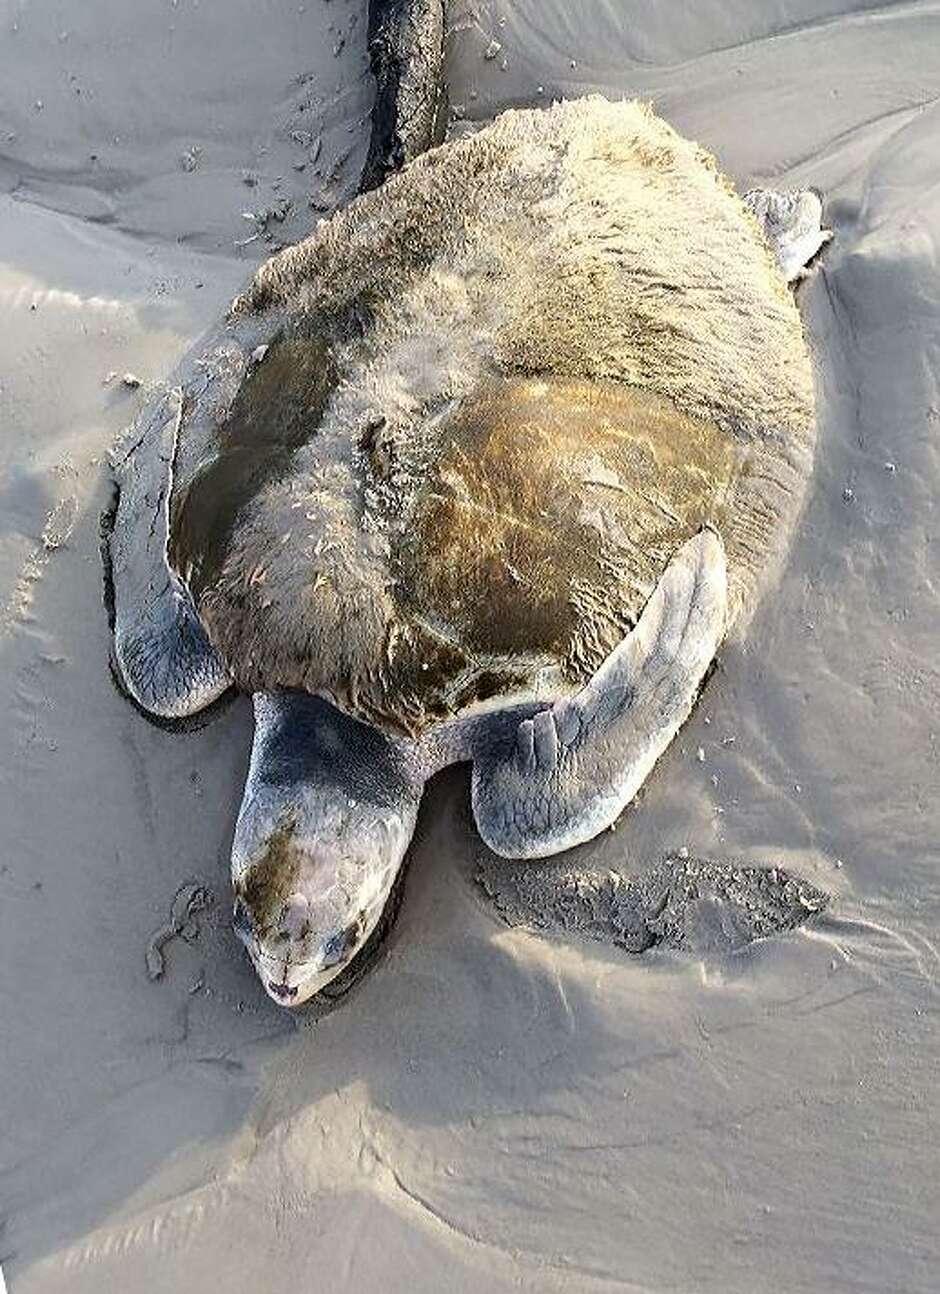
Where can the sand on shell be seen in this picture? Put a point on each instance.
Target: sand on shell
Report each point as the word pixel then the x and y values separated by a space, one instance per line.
pixel 488 1110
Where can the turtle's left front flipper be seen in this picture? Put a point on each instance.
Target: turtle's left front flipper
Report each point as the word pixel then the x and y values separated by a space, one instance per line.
pixel 162 657
pixel 566 774
pixel 406 53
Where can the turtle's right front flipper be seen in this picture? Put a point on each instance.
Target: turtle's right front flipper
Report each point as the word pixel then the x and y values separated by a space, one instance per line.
pixel 570 769
pixel 163 658
pixel 406 52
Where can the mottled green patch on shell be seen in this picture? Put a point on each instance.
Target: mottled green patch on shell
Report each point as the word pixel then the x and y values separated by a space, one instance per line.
pixel 549 514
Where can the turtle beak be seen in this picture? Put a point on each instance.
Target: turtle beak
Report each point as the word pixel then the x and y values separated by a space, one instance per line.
pixel 294 985
pixel 282 993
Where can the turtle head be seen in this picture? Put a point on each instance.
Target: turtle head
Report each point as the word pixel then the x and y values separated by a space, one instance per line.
pixel 310 883
pixel 321 835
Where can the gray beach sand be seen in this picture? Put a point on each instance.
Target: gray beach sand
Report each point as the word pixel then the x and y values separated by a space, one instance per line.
pixel 488 1110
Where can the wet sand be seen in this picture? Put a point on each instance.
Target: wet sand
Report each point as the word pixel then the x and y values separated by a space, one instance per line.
pixel 489 1109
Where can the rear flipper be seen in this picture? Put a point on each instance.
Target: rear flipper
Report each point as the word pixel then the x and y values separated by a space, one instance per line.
pixel 162 655
pixel 792 224
pixel 567 773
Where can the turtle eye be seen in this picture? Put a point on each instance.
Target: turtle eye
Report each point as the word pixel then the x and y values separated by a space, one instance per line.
pixel 340 945
pixel 241 921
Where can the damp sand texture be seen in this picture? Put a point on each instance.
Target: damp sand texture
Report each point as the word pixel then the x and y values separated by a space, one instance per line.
pixel 493 1109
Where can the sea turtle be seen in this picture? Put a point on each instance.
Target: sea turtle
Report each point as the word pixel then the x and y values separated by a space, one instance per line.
pixel 483 470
